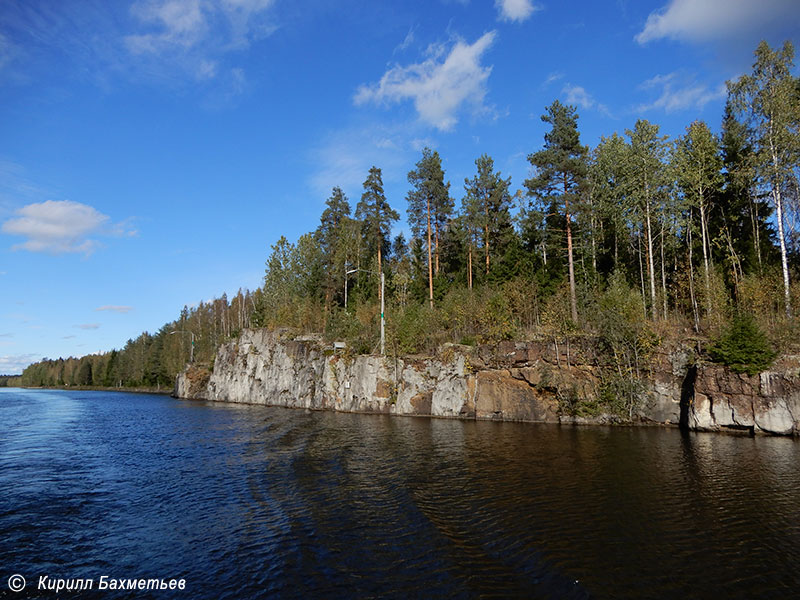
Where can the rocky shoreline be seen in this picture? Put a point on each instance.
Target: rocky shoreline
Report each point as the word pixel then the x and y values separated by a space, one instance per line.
pixel 537 381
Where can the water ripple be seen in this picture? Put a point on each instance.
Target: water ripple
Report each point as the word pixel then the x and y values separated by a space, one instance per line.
pixel 249 502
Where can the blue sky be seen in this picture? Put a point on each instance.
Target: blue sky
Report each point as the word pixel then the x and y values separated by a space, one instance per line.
pixel 151 151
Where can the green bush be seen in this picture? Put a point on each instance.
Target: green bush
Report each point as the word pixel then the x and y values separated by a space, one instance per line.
pixel 743 346
pixel 345 325
pixel 621 395
pixel 495 320
pixel 411 328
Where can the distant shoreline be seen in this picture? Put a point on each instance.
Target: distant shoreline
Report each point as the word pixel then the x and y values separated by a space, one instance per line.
pixel 94 388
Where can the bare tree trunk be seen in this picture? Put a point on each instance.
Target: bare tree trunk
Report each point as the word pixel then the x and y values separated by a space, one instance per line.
pixel 430 267
pixel 776 195
pixel 663 273
pixel 641 272
pixel 380 270
pixel 756 232
pixel 469 272
pixel 592 235
pixel 705 253
pixel 573 297
pixel 487 235
pixel 650 268
pixel 436 246
pixel 327 307
pixel 691 278
pixel 583 267
pixel 736 264
pixel 784 262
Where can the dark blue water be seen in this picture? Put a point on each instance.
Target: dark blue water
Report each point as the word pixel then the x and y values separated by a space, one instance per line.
pixel 251 502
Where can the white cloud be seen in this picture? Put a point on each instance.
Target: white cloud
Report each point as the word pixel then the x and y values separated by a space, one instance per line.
pixel 206 69
pixel 113 308
pixel 180 23
pixel 515 10
pixel 679 92
pixel 88 326
pixel 124 228
pixel 248 19
pixel 195 34
pixel 575 94
pixel 704 20
pixel 183 24
pixel 552 78
pixel 167 42
pixel 407 41
pixel 13 364
pixel 57 227
pixel 439 86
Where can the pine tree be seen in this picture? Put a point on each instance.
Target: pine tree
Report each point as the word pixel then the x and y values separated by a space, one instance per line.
pixel 561 169
pixel 486 207
pixel 429 207
pixel 401 268
pixel 743 346
pixel 376 216
pixel 336 211
pixel 333 240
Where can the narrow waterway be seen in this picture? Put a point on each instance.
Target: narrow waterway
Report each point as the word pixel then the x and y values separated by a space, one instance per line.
pixel 253 501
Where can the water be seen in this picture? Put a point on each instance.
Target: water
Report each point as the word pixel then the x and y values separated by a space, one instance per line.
pixel 248 502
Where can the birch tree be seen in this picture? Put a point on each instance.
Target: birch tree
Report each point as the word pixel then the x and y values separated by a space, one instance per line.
pixel 769 103
pixel 698 167
pixel 647 179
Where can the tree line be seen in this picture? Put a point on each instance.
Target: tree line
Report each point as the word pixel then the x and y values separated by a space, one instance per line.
pixel 638 238
pixel 697 226
pixel 152 360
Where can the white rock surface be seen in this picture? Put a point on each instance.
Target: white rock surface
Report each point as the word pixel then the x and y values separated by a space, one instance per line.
pixel 264 367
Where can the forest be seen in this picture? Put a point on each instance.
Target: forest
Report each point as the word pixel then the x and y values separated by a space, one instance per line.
pixel 639 240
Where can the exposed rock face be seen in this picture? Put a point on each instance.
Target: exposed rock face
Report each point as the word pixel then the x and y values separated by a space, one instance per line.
pixel 528 381
pixel 192 383
pixel 768 402
pixel 266 368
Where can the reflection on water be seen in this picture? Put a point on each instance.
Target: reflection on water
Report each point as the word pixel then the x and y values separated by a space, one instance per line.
pixel 255 501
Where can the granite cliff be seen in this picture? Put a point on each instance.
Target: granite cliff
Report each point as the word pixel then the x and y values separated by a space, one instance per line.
pixel 538 381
